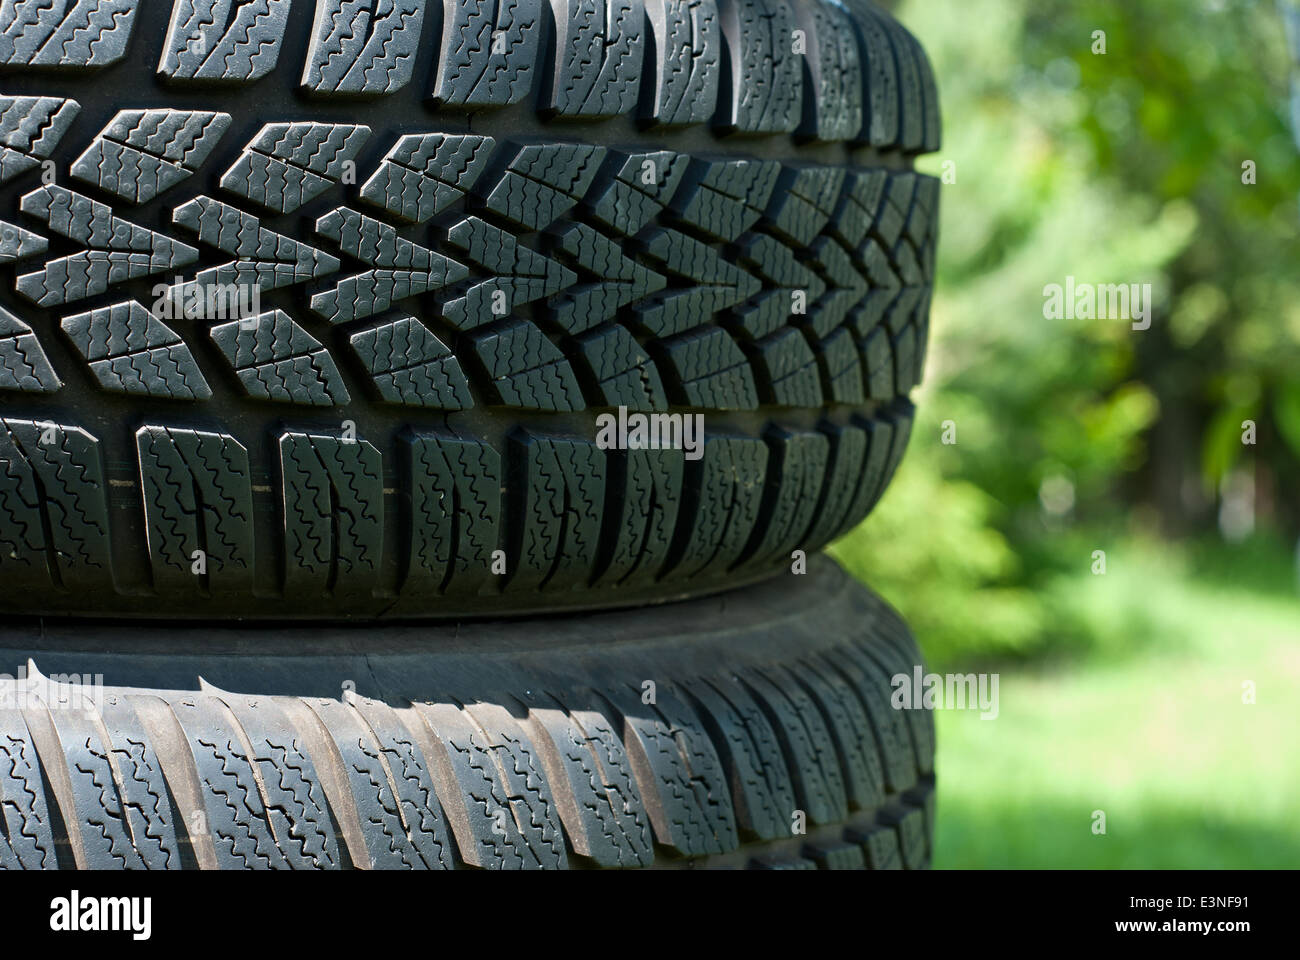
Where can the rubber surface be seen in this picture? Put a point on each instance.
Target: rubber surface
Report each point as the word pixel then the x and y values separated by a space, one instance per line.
pixel 471 228
pixel 770 741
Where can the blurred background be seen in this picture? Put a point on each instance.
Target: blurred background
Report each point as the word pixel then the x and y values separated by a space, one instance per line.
pixel 1120 691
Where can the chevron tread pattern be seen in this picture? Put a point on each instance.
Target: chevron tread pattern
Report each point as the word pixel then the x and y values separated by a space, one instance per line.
pixel 337 337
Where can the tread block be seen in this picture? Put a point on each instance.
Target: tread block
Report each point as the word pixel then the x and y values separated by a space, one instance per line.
pixel 558 512
pixel 236 818
pixel 878 360
pixel 891 658
pixel 277 360
pixel 881 105
pixel 805 200
pixel 847 722
pixel 879 847
pixel 859 685
pixel 846 459
pixel 223 40
pixel 687 41
pixel 131 351
pixel 363 46
pixel 804 737
pixel 724 198
pixel 766 94
pixel 859 202
pixel 678 773
pixel 401 268
pixel 296 806
pixel 837 355
pixel 287 164
pixel 889 726
pixel 333 514
pixel 619 280
pixel 526 370
pixel 424 173
pixel 544 181
pixel 905 359
pixel 620 370
pixel 118 249
pixel 911 134
pixel 712 284
pixel 756 768
pixel 899 312
pixel 19 244
pixel 645 501
pixel 455 503
pixel 895 429
pixel 23 363
pixel 411 366
pixel 845 290
pixel 901 418
pixel 197 491
pixel 909 824
pixel 639 191
pixel 124 814
pixel 522 275
pixel 922 324
pixel 923 796
pixel 53 506
pixel 930 95
pixel 358 786
pixel 30 129
pixel 836 856
pixel 65 33
pixel 724 489
pixel 785 274
pixel 141 153
pixel 788 375
pixel 489 50
pixel 244 750
pixel 708 371
pixel 420 836
pixel 770 311
pixel 910 270
pixel 885 286
pixel 27 840
pixel 871 477
pixel 264 258
pixel 491 784
pixel 598 57
pixel 596 793
pixel 921 219
pixel 891 218
pixel 796 475
pixel 835 68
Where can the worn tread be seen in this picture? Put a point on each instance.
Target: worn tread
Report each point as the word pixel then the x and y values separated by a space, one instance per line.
pixel 757 735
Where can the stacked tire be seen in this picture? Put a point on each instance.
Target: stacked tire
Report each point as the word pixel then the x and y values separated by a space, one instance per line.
pixel 310 316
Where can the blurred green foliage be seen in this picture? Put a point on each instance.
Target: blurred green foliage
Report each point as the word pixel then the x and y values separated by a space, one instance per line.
pixel 1081 435
pixel 1151 728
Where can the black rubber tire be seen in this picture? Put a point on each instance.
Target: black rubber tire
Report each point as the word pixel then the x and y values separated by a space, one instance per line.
pixel 679 215
pixel 503 745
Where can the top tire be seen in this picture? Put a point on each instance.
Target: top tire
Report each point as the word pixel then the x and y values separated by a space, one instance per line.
pixel 320 309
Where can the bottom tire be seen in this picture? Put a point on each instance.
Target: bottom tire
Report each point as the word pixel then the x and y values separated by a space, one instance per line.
pixel 705 733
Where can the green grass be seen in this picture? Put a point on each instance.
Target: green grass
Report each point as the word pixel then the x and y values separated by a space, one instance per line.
pixel 1158 738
